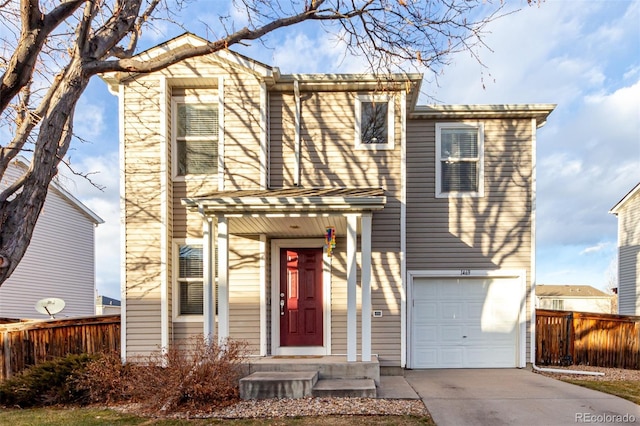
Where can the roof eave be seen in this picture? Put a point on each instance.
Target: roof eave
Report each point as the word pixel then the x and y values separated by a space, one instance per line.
pixel 284 204
pixel 538 111
pixel 620 204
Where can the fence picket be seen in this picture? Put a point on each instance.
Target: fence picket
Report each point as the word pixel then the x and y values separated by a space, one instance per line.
pixel 31 343
pixel 601 340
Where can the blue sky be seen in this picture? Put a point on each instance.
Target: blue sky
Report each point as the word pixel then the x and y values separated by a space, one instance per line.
pixel 582 55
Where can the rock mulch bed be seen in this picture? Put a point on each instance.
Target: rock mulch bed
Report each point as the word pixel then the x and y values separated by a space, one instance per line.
pixel 609 373
pixel 275 408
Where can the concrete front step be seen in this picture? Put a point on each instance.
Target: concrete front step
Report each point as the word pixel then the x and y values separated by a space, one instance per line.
pixel 291 384
pixel 328 367
pixel 361 388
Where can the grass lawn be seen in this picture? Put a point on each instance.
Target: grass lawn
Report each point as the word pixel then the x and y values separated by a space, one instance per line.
pixel 627 389
pixel 96 416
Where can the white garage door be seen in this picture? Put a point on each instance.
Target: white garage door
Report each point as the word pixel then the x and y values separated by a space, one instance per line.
pixel 465 322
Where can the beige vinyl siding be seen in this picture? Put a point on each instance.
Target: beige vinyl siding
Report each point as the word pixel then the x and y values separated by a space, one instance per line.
pixel 281 139
pixel 244 290
pixel 629 257
pixel 242 132
pixel 169 246
pixel 484 233
pixel 183 331
pixel 385 296
pixel 142 204
pixel 60 261
pixel 339 298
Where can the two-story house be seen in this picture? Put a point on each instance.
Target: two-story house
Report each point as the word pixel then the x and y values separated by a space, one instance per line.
pixel 324 214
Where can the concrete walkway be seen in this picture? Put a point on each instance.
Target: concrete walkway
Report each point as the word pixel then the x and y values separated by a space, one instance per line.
pixel 514 397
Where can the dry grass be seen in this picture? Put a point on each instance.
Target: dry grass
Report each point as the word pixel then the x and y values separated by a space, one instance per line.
pixel 98 416
pixel 616 381
pixel 627 389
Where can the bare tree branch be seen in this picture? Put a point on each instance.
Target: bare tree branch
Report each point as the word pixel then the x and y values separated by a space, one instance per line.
pixel 56 53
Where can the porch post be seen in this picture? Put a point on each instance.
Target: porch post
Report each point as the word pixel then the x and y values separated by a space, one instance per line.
pixel 208 291
pixel 352 227
pixel 365 276
pixel 223 279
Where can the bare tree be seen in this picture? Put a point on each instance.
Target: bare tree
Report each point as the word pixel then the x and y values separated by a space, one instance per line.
pixel 56 46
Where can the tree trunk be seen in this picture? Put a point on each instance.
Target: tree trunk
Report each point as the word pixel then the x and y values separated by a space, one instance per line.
pixel 18 215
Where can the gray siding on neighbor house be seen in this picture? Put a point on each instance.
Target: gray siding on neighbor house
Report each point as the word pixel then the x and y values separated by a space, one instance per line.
pixel 484 233
pixel 60 261
pixel 629 257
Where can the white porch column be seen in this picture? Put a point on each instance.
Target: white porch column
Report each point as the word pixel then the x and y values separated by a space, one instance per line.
pixel 365 276
pixel 223 279
pixel 352 228
pixel 208 291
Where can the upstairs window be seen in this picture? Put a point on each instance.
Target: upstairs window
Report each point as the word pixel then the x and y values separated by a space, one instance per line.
pixel 196 137
pixel 374 122
pixel 459 160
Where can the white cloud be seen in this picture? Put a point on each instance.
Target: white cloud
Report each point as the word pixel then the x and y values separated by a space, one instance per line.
pixel 596 248
pixel 89 119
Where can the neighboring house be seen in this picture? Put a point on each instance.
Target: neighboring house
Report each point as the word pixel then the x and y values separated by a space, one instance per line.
pixel 60 261
pixel 107 306
pixel 628 212
pixel 578 298
pixel 237 180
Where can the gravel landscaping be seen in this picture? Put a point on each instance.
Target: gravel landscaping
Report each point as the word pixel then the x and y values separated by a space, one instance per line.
pixel 276 408
pixel 609 373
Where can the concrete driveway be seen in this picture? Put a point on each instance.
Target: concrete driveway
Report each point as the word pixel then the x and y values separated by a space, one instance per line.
pixel 514 397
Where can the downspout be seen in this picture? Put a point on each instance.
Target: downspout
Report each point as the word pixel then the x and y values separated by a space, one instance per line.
pixel 560 370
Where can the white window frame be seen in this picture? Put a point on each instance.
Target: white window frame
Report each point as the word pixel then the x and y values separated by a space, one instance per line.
pixel 177 317
pixel 479 127
pixel 192 99
pixel 390 100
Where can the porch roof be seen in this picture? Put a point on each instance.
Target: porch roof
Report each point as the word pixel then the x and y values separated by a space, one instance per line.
pixel 288 200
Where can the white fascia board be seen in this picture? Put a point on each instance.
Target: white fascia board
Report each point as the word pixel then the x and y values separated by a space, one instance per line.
pixel 620 204
pixel 268 203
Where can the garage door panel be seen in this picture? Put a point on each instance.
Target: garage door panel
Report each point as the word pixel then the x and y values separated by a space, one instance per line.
pixel 428 309
pixel 450 334
pixel 426 333
pixel 450 311
pixel 451 356
pixel 465 322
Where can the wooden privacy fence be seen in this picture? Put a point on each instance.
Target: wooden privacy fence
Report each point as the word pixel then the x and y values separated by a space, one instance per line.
pixel 581 338
pixel 30 343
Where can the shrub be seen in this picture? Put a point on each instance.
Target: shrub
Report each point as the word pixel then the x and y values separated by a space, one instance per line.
pixel 191 376
pixel 45 384
pixel 105 379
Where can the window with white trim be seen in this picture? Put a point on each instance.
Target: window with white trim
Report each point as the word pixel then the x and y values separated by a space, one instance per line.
pixel 374 122
pixel 459 159
pixel 190 279
pixel 196 127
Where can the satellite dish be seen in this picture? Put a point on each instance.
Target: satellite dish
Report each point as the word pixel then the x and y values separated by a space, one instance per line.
pixel 50 306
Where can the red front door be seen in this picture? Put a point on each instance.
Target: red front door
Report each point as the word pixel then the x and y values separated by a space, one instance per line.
pixel 301 297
